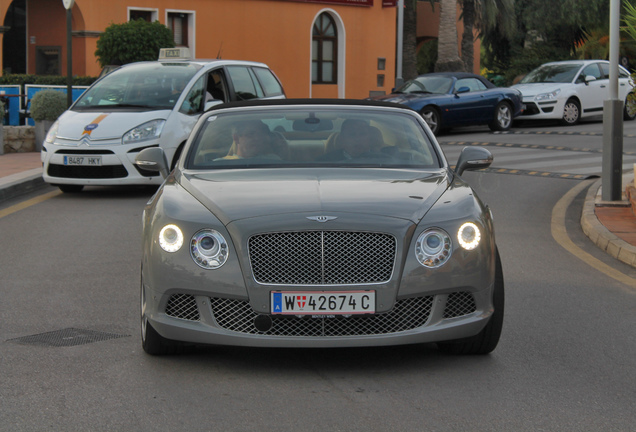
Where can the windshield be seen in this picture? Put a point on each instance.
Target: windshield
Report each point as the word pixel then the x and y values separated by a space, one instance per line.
pixel 427 84
pixel 552 73
pixel 311 137
pixel 144 85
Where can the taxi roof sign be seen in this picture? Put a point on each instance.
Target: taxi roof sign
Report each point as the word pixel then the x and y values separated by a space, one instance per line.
pixel 179 53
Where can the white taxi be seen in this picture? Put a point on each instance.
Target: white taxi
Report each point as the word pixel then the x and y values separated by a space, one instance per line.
pixel 141 105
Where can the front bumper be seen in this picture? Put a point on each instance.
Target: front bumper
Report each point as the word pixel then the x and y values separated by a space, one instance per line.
pixel 116 165
pixel 202 319
pixel 551 109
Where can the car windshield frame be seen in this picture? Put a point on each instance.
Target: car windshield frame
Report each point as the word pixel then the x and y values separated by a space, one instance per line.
pixel 553 73
pixel 436 84
pixel 312 137
pixel 142 86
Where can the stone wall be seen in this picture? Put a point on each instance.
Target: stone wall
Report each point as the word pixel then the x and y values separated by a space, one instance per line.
pixel 18 139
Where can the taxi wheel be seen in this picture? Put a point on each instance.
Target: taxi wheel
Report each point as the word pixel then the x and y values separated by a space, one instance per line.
pixel 629 111
pixel 487 339
pixel 71 188
pixel 571 113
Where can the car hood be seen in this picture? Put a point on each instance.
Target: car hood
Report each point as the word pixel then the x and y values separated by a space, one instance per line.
pixel 405 98
pixel 529 90
pixel 243 194
pixel 103 125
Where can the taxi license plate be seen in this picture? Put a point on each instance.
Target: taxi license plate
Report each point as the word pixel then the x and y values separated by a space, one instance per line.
pixel 83 160
pixel 322 302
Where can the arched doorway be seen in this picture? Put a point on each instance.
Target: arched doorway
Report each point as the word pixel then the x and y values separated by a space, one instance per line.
pixel 14 41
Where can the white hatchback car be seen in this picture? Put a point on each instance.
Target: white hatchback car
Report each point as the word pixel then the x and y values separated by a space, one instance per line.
pixel 570 90
pixel 141 105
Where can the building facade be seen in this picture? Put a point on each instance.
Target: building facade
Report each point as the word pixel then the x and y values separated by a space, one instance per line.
pixel 330 48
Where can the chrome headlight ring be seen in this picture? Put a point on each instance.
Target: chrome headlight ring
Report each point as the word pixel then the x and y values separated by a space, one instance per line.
pixel 433 247
pixel 209 249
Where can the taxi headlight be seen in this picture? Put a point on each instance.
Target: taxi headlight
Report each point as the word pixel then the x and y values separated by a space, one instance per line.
pixel 52 133
pixel 147 131
pixel 433 247
pixel 547 96
pixel 209 249
pixel 469 236
pixel 170 238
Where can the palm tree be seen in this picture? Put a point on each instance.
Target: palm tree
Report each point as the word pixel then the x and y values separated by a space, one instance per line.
pixel 447 52
pixel 409 42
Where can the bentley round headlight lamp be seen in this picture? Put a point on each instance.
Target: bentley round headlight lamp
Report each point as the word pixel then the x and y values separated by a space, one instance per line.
pixel 433 247
pixel 469 236
pixel 170 238
pixel 209 249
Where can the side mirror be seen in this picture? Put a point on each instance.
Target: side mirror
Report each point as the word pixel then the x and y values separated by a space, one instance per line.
pixel 209 104
pixel 463 89
pixel 589 78
pixel 153 159
pixel 473 158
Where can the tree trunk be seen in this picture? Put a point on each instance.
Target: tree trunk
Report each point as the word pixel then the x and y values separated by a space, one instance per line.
pixel 468 36
pixel 409 42
pixel 447 51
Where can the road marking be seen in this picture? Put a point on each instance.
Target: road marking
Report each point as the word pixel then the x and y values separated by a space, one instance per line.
pixel 560 234
pixel 28 203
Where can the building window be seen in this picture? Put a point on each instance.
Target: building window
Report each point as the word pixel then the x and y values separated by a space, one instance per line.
pixel 146 14
pixel 48 60
pixel 324 50
pixel 178 23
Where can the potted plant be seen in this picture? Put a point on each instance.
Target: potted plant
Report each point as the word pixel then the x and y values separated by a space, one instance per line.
pixel 46 107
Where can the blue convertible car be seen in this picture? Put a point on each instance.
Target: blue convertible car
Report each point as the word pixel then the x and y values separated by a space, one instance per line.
pixel 452 99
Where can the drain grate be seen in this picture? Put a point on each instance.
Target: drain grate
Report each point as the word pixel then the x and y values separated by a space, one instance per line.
pixel 66 337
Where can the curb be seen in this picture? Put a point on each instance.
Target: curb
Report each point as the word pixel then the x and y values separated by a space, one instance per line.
pixel 601 236
pixel 20 184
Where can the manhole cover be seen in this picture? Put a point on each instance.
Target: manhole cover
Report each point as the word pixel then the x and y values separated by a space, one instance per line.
pixel 66 337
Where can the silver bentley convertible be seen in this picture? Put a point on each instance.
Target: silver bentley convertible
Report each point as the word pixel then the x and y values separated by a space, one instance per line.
pixel 318 223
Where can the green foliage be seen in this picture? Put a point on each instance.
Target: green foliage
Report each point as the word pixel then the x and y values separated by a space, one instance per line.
pixel 132 41
pixel 427 57
pixel 48 105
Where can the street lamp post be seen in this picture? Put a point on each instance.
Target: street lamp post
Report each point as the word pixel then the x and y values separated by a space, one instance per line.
pixel 68 5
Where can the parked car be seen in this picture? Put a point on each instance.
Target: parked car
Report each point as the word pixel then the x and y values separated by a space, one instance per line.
pixel 309 223
pixel 571 90
pixel 140 105
pixel 451 99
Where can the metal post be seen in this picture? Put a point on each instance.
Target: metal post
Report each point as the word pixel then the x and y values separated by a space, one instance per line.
pixel 69 57
pixel 612 174
pixel 400 38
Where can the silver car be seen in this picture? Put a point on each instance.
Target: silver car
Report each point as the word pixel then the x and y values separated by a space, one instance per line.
pixel 309 223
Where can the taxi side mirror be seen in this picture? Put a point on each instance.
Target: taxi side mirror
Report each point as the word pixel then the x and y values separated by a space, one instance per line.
pixel 153 159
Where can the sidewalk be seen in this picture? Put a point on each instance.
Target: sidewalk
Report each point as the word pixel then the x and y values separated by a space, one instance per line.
pixel 611 226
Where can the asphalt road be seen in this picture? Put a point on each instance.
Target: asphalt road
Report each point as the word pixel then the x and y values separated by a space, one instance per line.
pixel 70 354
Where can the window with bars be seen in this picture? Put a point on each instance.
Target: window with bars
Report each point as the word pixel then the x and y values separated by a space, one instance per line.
pixel 324 50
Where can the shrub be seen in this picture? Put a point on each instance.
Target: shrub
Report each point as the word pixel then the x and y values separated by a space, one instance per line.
pixel 132 41
pixel 48 105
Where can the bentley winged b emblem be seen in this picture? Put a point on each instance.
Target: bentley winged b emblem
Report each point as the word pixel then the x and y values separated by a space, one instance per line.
pixel 322 219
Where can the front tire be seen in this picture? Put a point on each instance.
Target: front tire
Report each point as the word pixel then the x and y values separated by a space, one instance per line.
pixel 151 341
pixel 503 117
pixel 432 118
pixel 571 112
pixel 487 339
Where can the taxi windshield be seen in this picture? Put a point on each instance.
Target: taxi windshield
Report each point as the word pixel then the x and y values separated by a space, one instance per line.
pixel 151 86
pixel 311 137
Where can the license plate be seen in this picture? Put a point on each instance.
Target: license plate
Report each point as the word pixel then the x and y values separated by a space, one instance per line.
pixel 322 302
pixel 83 160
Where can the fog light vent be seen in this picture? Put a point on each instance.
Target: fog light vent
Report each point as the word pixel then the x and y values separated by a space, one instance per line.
pixel 459 304
pixel 183 306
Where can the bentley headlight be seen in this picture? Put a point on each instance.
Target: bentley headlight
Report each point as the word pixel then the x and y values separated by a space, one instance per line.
pixel 209 249
pixel 547 96
pixel 170 238
pixel 147 131
pixel 469 236
pixel 433 247
pixel 52 133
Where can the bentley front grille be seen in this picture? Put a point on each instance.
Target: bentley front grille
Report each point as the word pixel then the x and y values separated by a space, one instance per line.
pixel 322 257
pixel 407 314
pixel 183 306
pixel 459 304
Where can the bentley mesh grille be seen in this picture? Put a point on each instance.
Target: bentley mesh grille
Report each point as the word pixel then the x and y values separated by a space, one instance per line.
pixel 459 304
pixel 183 306
pixel 322 257
pixel 407 314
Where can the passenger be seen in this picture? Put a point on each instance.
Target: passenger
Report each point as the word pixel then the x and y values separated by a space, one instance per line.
pixel 356 139
pixel 252 140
